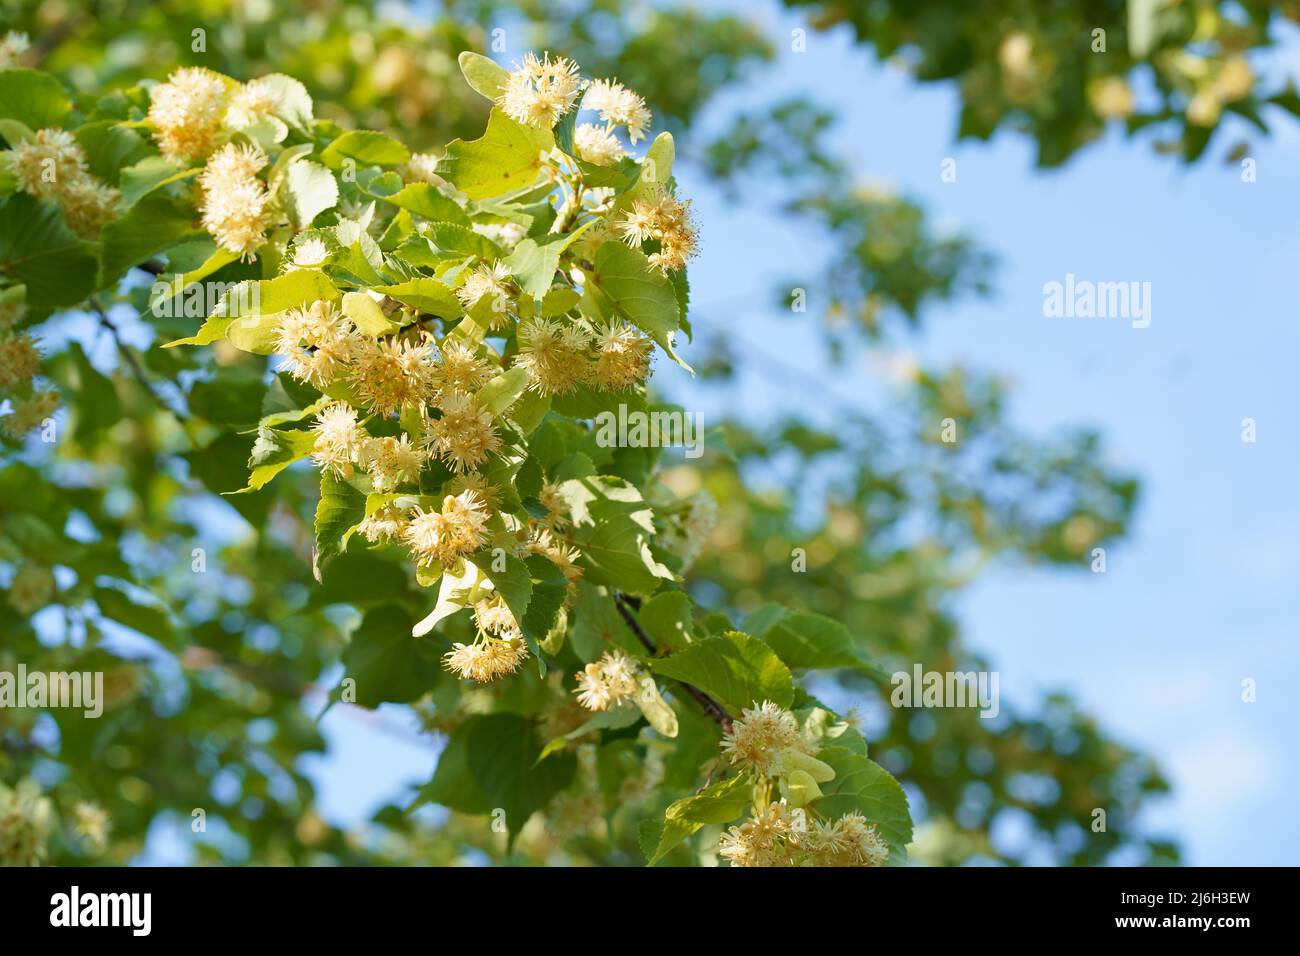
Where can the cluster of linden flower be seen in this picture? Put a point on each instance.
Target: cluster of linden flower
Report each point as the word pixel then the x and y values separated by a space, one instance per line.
pixel 538 92
pixel 686 525
pixel 609 681
pixel 19 364
pixel 194 114
pixel 321 346
pixel 767 742
pixel 27 821
pixel 12 46
pixel 52 165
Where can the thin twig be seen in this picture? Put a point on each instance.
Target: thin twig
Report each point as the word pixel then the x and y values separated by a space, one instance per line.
pixel 133 361
pixel 711 706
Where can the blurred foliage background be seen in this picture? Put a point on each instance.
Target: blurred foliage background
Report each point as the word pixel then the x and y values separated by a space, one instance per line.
pixel 207 700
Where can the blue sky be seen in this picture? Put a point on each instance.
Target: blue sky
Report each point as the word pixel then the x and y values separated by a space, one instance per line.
pixel 1201 596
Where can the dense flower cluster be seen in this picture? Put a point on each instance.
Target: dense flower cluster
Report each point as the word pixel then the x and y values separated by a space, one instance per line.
pixel 27 821
pixel 540 91
pixel 662 218
pixel 20 363
pixel 768 742
pixel 12 46
pixel 52 165
pixel 608 682
pixel 194 115
pixel 235 201
pixel 561 356
pixel 781 836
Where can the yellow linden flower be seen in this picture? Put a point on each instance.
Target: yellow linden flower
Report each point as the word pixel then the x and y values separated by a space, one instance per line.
pixel 607 682
pixel 88 205
pixel 391 462
pixel 539 92
pixel 46 164
pixel 318 341
pixel 463 437
pixel 29 412
pixel 443 537
pixel 338 438
pixel 554 354
pixel 235 202
pixel 618 106
pixel 663 217
pixel 758 737
pixel 392 373
pixel 187 111
pixel 597 146
pixel 622 357
pixel 19 360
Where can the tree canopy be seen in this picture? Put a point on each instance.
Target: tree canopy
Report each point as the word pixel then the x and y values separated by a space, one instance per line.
pixel 331 307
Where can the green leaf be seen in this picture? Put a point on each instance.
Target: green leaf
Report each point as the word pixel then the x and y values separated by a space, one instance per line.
pixel 454 241
pixel 548 595
pixel 452 590
pixel 656 710
pixel 534 263
pixel 97 406
pixel 666 617
pixel 483 75
pixel 155 223
pixel 309 189
pixel 427 295
pixel 366 314
pixel 514 582
pixel 502 391
pixel 656 165
pixel 293 102
pixel 719 802
pixel 506 158
pixel 109 147
pixel 640 293
pixel 149 620
pixel 248 314
pixel 169 299
pixel 453 785
pixel 151 173
pixel 33 98
pixel 384 660
pixel 502 755
pixel 735 669
pixel 617 717
pixel 564 131
pixel 273 452
pixel 613 527
pixel 863 785
pixel 340 509
pixel 808 641
pixel 367 147
pixel 1143 27
pixel 425 200
pixel 38 250
pixel 15 132
pixel 558 301
pixel 529 411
